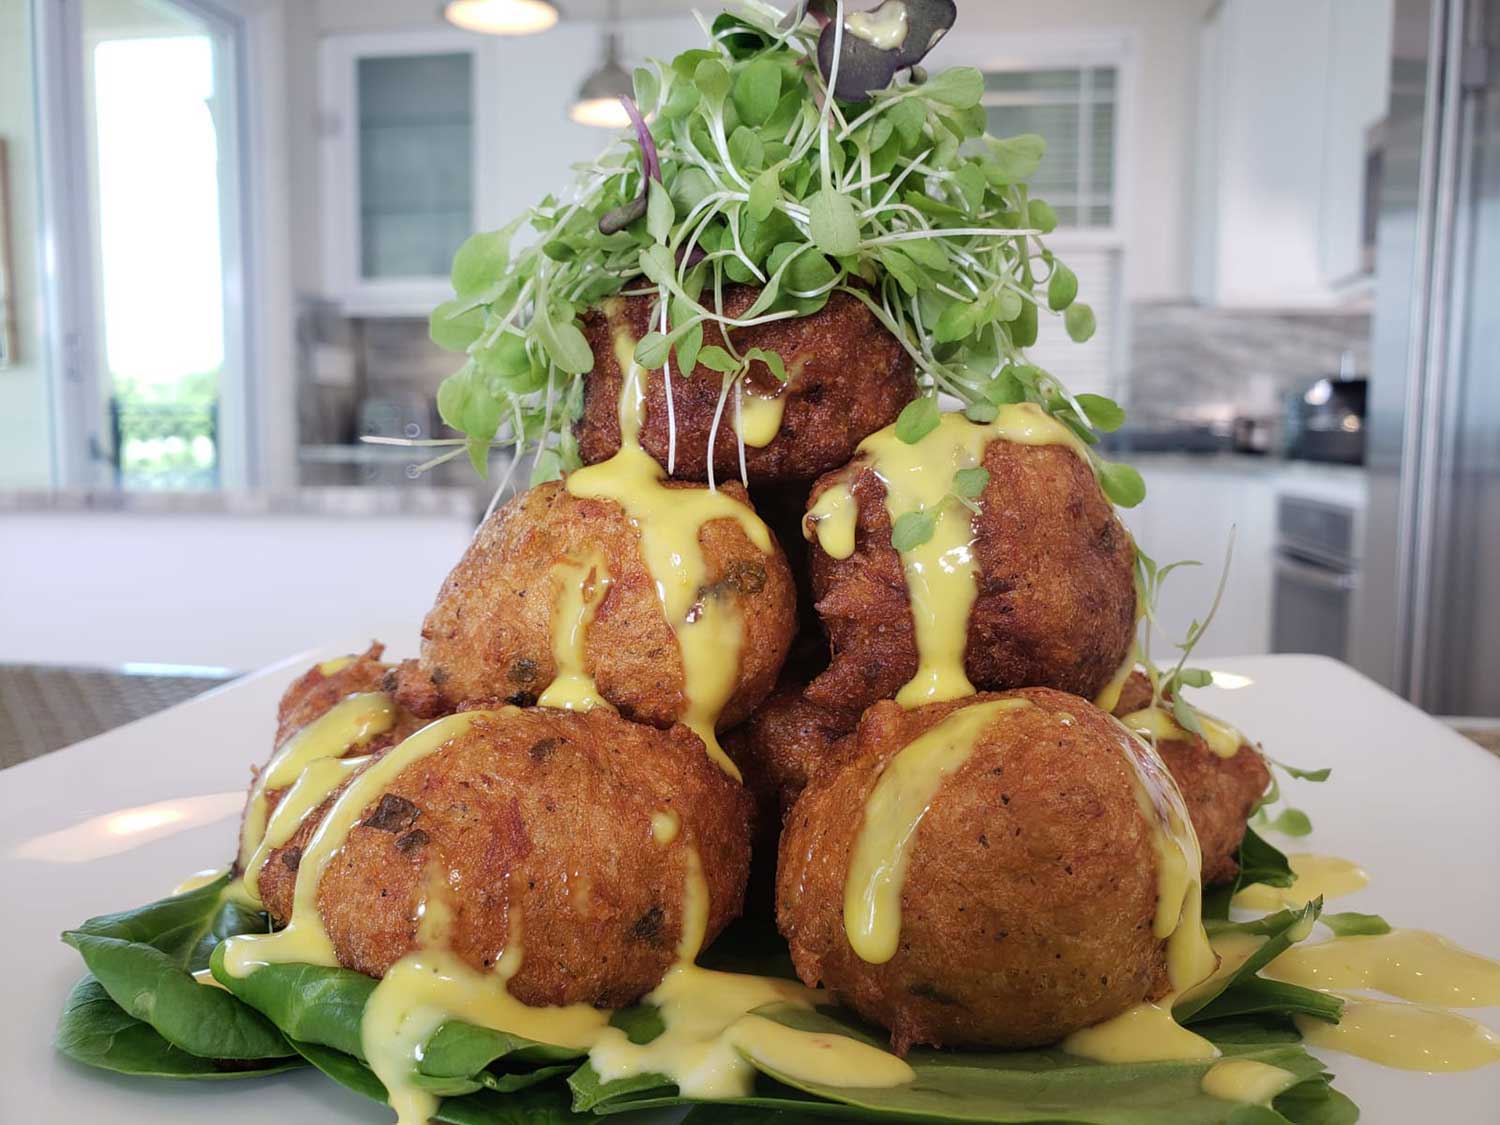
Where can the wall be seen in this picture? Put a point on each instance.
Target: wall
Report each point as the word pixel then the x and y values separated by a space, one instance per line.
pixel 227 590
pixel 25 430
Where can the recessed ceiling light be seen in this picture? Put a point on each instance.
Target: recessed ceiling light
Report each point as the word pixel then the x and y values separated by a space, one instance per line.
pixel 501 17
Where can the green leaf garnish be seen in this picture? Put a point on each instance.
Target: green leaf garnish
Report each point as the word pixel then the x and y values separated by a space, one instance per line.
pixel 1290 822
pixel 971 483
pixel 834 225
pixel 1351 924
pixel 918 419
pixel 912 529
pixel 772 361
pixel 1122 484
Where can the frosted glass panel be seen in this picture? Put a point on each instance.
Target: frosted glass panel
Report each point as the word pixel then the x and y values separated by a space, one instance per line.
pixel 416 140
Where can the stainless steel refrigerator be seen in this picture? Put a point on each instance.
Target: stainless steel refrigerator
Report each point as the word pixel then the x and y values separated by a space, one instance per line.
pixel 1428 617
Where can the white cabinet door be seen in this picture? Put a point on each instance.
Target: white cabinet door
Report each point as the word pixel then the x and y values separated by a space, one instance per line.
pixel 1174 523
pixel 407 173
pixel 1289 89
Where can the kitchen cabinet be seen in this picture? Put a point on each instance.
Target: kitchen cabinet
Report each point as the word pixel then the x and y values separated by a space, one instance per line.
pixel 1289 90
pixel 405 163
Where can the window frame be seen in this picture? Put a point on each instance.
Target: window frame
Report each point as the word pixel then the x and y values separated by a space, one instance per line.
pixel 992 53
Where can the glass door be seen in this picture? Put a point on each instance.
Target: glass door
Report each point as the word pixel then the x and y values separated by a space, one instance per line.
pixel 145 203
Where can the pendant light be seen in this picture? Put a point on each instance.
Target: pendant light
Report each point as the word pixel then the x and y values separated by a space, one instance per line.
pixel 501 17
pixel 598 101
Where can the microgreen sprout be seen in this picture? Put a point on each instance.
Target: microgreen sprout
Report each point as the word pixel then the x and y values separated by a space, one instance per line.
pixel 741 169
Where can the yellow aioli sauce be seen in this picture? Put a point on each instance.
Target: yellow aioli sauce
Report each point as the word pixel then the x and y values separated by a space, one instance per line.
pixel 884 28
pixel 1109 696
pixel 313 786
pixel 1412 964
pixel 305 940
pixel 430 986
pixel 197 879
pixel 832 1060
pixel 336 665
pixel 760 417
pixel 1158 723
pixel 205 977
pixel 1316 875
pixel 584 588
pixel 1247 1081
pixel 1147 1032
pixel 664 827
pixel 708 629
pixel 1404 1036
pixel 940 572
pixel 347 724
pixel 893 812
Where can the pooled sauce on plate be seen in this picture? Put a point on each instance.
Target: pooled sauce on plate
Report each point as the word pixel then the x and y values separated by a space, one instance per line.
pixel 1316 875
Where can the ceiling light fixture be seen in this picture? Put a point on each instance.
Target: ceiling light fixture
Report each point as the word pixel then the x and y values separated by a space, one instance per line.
pixel 501 17
pixel 598 102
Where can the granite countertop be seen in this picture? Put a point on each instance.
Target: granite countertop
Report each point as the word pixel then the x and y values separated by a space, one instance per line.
pixel 335 502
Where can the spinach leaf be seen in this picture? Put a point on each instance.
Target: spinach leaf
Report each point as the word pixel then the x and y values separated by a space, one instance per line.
pixel 151 987
pixel 956 1086
pixel 1281 930
pixel 144 960
pixel 95 1031
pixel 324 1007
pixel 1257 996
pixel 1259 862
pixel 309 1003
pixel 487 1107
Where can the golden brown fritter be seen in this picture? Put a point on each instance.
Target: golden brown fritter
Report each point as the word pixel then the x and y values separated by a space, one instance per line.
pixel 490 634
pixel 1027 908
pixel 547 814
pixel 316 692
pixel 1220 792
pixel 1055 573
pixel 847 378
pixel 783 743
pixel 313 693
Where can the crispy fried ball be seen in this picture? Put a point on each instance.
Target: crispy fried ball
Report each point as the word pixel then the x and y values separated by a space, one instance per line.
pixel 787 739
pixel 1220 792
pixel 316 691
pixel 322 686
pixel 1055 573
pixel 545 814
pixel 847 378
pixel 1027 908
pixel 490 634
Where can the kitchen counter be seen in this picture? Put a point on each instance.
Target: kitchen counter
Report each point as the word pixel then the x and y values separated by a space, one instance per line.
pixel 351 502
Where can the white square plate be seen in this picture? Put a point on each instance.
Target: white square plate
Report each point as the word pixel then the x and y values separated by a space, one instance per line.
pixel 116 821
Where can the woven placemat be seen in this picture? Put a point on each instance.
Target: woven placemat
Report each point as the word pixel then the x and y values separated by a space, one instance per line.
pixel 45 708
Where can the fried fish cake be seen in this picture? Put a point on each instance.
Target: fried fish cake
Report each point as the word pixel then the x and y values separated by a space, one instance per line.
pixel 1056 601
pixel 1030 886
pixel 785 741
pixel 583 833
pixel 492 632
pixel 316 691
pixel 1221 788
pixel 846 378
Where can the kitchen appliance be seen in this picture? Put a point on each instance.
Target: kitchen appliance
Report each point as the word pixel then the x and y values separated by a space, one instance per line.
pixel 1326 421
pixel 1428 619
pixel 1315 575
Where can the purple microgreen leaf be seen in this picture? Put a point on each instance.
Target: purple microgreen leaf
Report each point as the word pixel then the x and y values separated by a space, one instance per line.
pixel 622 216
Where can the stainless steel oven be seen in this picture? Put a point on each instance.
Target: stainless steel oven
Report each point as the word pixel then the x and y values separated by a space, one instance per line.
pixel 1316 574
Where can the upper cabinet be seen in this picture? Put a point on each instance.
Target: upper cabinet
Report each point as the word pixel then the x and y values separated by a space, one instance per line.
pixel 1290 90
pixel 404 155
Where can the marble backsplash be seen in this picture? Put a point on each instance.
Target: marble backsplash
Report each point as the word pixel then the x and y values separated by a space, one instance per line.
pixel 1189 364
pixel 1186 364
